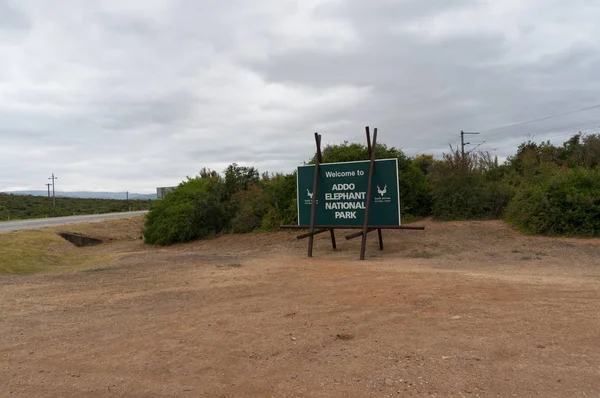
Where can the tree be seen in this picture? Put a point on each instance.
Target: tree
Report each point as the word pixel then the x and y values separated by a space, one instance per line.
pixel 424 163
pixel 238 178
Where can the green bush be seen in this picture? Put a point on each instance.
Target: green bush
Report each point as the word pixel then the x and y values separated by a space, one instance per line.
pixel 250 206
pixel 193 210
pixel 578 151
pixel 415 189
pixel 280 191
pixel 543 189
pixel 467 189
pixel 271 220
pixel 559 202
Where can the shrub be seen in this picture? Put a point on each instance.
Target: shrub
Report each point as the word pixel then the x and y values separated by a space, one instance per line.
pixel 578 151
pixel 551 190
pixel 192 211
pixel 560 202
pixel 415 189
pixel 280 190
pixel 467 189
pixel 249 207
pixel 271 221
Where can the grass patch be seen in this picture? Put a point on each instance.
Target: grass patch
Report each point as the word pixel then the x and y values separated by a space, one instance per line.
pixel 36 251
pixel 127 228
pixel 421 254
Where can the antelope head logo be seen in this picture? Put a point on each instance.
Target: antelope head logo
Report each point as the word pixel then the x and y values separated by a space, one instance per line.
pixel 382 191
pixel 310 195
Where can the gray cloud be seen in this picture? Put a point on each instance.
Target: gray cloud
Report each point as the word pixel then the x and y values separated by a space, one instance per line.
pixel 137 94
pixel 12 18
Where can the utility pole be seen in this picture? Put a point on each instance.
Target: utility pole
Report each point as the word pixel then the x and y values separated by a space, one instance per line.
pixel 53 193
pixel 48 185
pixel 463 143
pixel 127 200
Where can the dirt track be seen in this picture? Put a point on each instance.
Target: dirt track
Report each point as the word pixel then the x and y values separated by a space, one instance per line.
pixel 459 309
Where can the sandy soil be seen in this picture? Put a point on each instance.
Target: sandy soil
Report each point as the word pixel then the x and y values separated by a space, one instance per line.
pixel 461 309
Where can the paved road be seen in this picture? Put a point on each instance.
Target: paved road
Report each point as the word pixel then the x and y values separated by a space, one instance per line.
pixel 48 222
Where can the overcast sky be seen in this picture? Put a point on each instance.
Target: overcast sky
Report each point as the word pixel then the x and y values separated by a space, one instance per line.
pixel 135 94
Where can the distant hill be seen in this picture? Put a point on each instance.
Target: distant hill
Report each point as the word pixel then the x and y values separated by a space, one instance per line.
pixel 88 194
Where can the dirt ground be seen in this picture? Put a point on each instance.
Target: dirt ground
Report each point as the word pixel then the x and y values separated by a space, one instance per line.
pixel 460 309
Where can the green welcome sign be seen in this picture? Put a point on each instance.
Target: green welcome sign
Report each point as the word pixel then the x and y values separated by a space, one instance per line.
pixel 342 193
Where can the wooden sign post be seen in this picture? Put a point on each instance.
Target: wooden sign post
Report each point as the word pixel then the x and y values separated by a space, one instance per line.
pixel 342 196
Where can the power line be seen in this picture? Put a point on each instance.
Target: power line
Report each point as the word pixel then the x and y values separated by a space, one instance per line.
pixel 584 124
pixel 477 146
pixel 540 119
pixel 587 124
pixel 569 133
pixel 555 136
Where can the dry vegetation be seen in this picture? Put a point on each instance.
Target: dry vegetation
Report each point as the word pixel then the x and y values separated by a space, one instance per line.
pixel 462 308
